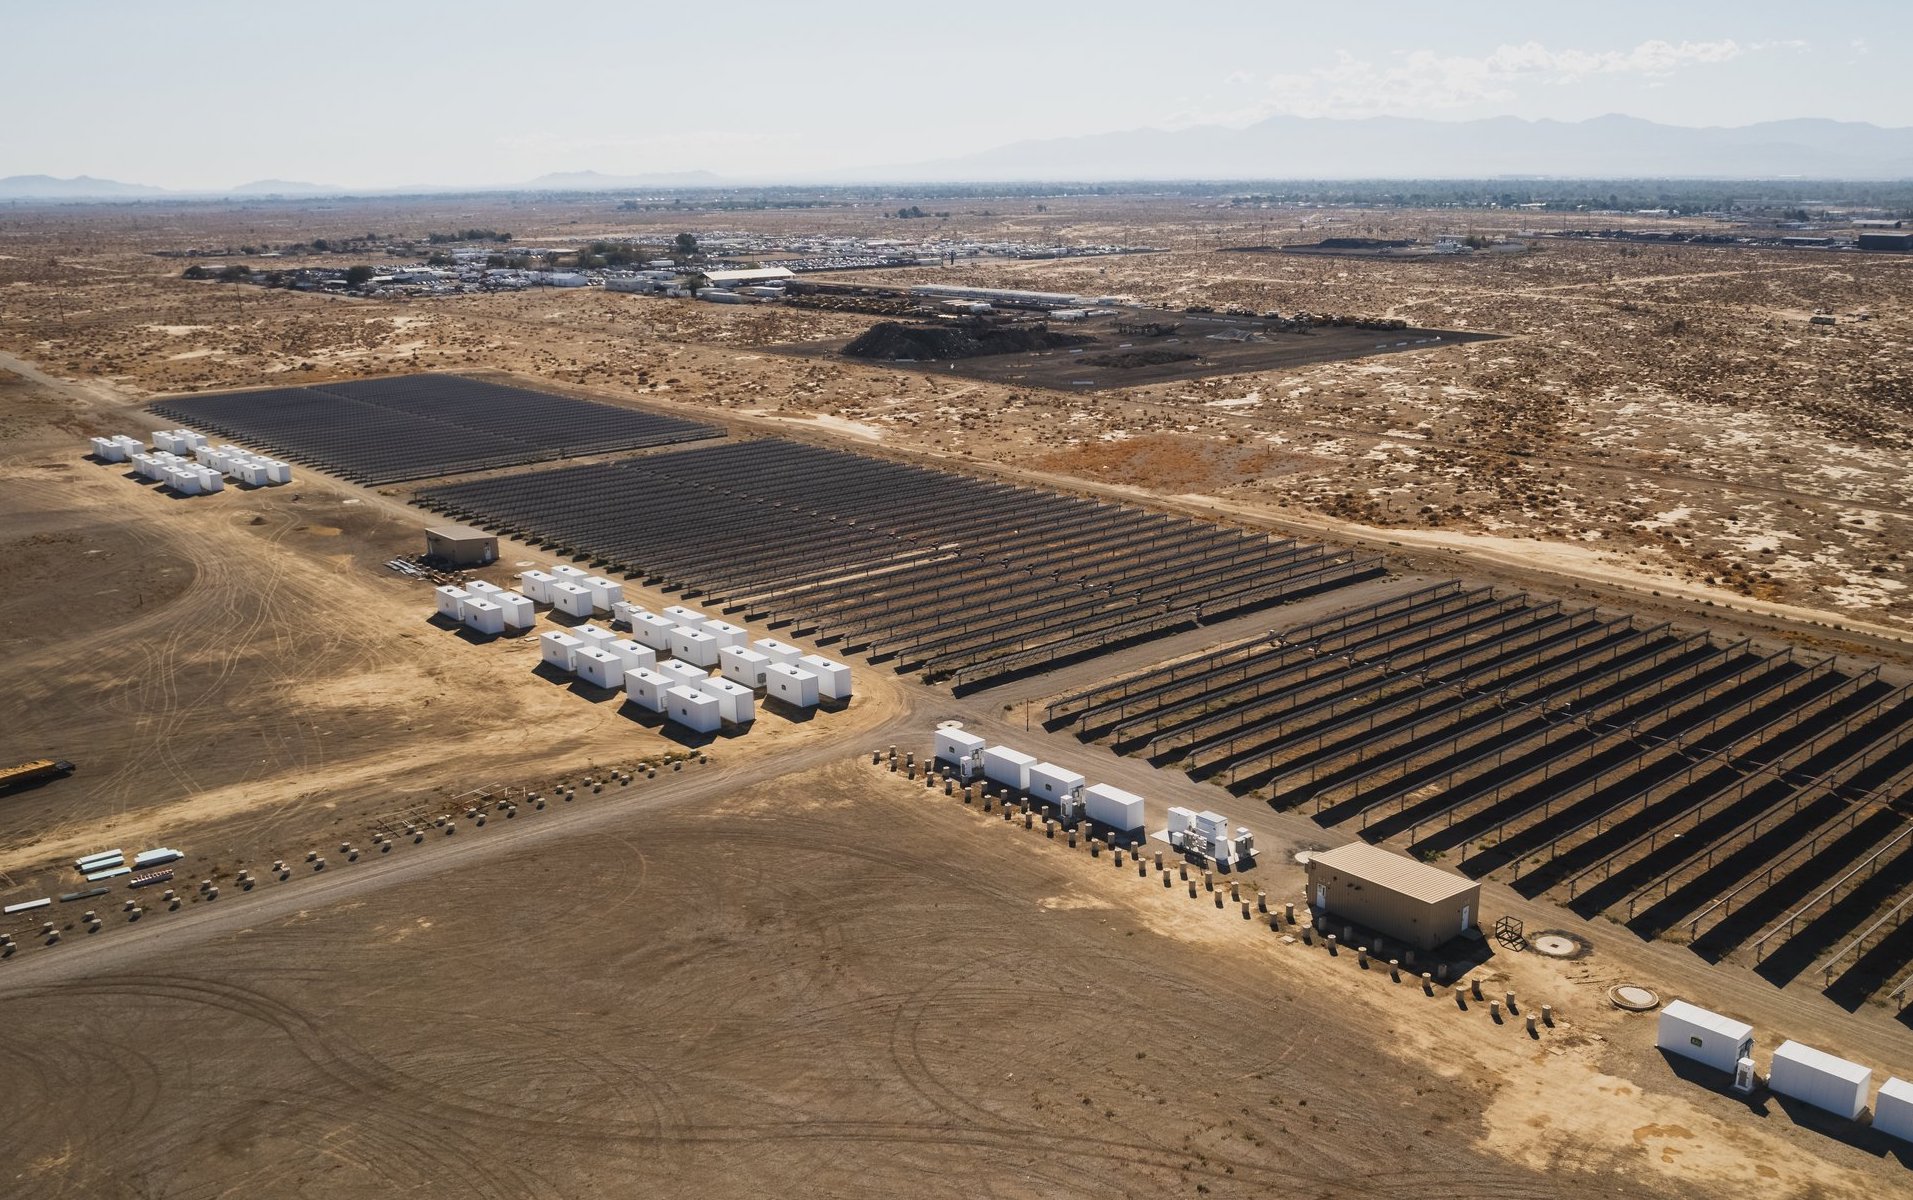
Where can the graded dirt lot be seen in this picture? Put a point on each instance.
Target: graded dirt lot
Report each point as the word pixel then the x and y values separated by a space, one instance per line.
pixel 786 971
pixel 1201 345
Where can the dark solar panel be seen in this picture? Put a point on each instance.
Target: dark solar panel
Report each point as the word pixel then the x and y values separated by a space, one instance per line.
pixel 422 426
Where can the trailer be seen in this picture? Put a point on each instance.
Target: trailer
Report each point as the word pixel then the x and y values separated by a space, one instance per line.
pixel 694 646
pixel 777 651
pixel 1113 807
pixel 1011 768
pixel 693 709
pixel 790 685
pixel 1820 1079
pixel 1706 1037
pixel 652 630
pixel 27 906
pixel 571 599
pixel 1893 1109
pixel 833 677
pixel 964 751
pixel 735 702
pixel 555 649
pixel 600 668
pixel 646 688
pixel 1059 786
pixel 33 771
pixel 742 666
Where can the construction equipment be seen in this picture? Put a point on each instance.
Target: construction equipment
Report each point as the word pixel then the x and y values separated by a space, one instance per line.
pixel 37 771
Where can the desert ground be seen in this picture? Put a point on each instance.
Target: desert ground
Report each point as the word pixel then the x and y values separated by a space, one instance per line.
pixel 764 964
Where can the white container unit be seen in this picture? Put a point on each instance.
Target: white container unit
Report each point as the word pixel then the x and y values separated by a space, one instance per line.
pixel 1057 785
pixel 1113 807
pixel 518 610
pixel 961 750
pixel 777 651
pixel 646 688
pixel 682 672
pixel 604 592
pixel 571 599
pixel 451 602
pixel 833 677
pixel 694 646
pixel 210 480
pixel 185 482
pixel 1818 1078
pixel 653 630
pixel 1011 768
pixel 537 585
pixel 742 666
pixel 1706 1037
pixel 567 573
pixel 557 648
pixel 596 636
pixel 693 709
pixel 108 450
pixel 792 685
pixel 1893 1109
pixel 686 616
pixel 278 472
pixel 726 634
pixel 484 616
pixel 599 667
pixel 478 587
pixel 735 702
pixel 631 654
pixel 624 611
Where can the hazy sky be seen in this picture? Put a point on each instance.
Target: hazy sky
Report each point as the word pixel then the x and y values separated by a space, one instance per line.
pixel 193 94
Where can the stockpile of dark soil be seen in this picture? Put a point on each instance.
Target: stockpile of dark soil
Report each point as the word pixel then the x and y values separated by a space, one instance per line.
pixel 1139 358
pixel 892 341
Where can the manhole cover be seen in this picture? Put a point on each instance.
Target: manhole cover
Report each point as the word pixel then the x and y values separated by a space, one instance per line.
pixel 1633 997
pixel 949 724
pixel 1555 945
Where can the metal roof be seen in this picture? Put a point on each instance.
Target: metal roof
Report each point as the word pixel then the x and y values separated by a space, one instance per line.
pixel 1382 868
pixel 459 533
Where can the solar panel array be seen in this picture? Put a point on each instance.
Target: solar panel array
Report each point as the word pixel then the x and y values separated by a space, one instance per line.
pixel 1753 802
pixel 970 579
pixel 377 431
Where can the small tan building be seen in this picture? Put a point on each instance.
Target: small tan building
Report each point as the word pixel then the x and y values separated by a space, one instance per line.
pixel 459 546
pixel 1397 897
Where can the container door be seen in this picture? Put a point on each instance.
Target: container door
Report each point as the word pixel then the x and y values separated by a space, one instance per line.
pixel 1321 895
pixel 1467 912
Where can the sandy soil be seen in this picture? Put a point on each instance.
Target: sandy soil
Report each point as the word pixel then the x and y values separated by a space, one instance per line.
pixel 771 976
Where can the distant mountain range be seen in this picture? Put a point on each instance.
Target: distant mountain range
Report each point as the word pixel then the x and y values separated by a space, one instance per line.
pixel 1611 147
pixel 1608 147
pixel 85 187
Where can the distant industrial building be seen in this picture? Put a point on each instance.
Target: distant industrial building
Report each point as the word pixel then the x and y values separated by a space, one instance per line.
pixel 1407 901
pixel 751 276
pixel 1901 243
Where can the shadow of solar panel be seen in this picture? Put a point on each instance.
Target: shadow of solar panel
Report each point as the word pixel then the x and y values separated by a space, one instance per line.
pixel 421 426
pixel 971 578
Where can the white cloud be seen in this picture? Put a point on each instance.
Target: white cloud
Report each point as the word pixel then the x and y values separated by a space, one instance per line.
pixel 1418 81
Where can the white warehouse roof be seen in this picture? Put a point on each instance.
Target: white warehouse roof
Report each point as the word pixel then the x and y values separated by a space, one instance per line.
pixel 750 275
